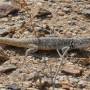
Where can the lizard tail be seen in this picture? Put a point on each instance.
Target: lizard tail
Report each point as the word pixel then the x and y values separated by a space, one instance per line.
pixel 13 42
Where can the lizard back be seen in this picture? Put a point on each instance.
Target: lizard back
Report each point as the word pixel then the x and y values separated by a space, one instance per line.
pixel 47 43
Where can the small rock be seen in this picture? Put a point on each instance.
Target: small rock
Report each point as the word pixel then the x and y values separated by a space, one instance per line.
pixel 66 87
pixel 2 87
pixel 40 31
pixel 67 9
pixel 13 87
pixel 88 78
pixel 72 23
pixel 33 76
pixel 65 84
pixel 86 11
pixel 32 89
pixel 61 13
pixel 6 9
pixel 27 84
pixel 46 82
pixel 77 0
pixel 72 69
pixel 55 88
pixel 82 84
pixel 84 61
pixel 3 31
pixel 3 56
pixel 7 68
pixel 43 13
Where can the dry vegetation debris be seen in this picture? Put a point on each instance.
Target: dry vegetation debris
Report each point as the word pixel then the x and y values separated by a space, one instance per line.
pixel 25 18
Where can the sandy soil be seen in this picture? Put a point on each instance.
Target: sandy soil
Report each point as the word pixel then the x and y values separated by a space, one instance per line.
pixel 62 18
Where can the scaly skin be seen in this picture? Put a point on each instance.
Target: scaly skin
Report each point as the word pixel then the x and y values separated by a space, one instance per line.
pixel 47 43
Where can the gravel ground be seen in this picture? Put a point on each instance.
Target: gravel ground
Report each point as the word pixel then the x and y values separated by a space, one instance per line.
pixel 62 18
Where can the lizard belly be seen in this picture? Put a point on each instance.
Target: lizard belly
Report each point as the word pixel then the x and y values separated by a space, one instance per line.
pixel 47 49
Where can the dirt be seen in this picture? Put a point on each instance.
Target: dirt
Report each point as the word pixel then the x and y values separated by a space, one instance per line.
pixel 41 18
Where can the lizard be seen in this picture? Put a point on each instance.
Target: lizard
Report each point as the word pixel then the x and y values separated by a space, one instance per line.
pixel 47 43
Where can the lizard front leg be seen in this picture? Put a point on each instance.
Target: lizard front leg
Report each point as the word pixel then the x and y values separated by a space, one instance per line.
pixel 33 48
pixel 62 60
pixel 65 50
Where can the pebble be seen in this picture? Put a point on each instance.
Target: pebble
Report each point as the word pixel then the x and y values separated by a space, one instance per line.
pixel 3 57
pixel 82 84
pixel 31 89
pixel 13 87
pixel 85 61
pixel 3 31
pixel 61 13
pixel 72 23
pixel 7 68
pixel 66 10
pixel 88 78
pixel 77 0
pixel 86 10
pixel 72 69
pixel 27 84
pixel 6 9
pixel 2 87
pixel 56 88
pixel 64 84
pixel 43 13
pixel 4 19
pixel 33 76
